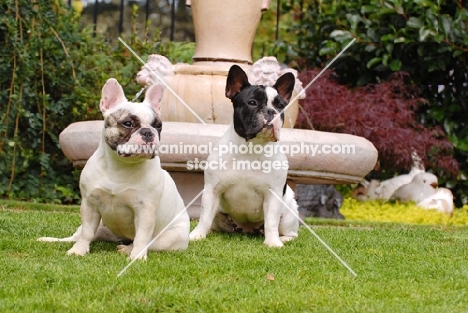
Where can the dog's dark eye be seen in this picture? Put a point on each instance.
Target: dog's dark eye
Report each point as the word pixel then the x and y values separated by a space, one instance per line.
pixel 157 124
pixel 252 102
pixel 127 124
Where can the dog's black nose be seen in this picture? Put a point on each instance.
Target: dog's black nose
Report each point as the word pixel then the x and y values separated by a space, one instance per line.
pixel 269 114
pixel 146 134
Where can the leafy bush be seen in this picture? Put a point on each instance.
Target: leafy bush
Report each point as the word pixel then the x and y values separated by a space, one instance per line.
pixel 52 73
pixel 383 113
pixel 266 43
pixel 426 39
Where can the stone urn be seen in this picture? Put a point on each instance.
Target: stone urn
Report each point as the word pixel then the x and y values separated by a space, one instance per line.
pixel 228 34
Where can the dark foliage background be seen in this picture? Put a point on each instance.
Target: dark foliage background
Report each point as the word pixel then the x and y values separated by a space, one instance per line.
pixel 52 72
pixel 428 40
pixel 383 113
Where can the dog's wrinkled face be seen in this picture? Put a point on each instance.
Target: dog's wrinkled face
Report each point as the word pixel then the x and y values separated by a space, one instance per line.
pixel 133 132
pixel 131 129
pixel 256 106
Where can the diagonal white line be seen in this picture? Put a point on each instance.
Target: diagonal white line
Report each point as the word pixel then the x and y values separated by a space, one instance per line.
pixel 159 78
pixel 317 236
pixel 313 80
pixel 159 234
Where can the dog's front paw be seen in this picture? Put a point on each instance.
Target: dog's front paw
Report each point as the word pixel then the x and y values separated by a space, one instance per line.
pixel 78 250
pixel 273 243
pixel 125 249
pixel 197 235
pixel 287 238
pixel 131 252
pixel 137 255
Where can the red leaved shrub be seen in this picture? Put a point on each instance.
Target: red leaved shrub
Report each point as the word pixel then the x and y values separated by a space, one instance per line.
pixel 385 114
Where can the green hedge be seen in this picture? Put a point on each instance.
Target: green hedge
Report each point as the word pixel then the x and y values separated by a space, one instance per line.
pixel 52 73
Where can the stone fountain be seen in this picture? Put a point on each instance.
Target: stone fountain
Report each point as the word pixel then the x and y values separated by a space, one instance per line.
pixel 195 110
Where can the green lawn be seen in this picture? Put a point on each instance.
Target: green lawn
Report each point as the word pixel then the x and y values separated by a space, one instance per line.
pixel 401 268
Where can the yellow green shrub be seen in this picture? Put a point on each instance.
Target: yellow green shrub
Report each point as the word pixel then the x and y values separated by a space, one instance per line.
pixel 380 211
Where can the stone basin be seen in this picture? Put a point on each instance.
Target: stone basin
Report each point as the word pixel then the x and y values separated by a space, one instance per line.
pixel 79 141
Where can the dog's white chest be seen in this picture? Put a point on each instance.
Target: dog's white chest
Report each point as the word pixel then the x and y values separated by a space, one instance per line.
pixel 117 209
pixel 242 197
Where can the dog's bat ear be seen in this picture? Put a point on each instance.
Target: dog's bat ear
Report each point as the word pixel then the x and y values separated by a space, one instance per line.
pixel 112 95
pixel 285 86
pixel 236 81
pixel 153 96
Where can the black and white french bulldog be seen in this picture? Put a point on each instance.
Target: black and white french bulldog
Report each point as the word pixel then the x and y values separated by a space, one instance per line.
pixel 239 198
pixel 123 182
